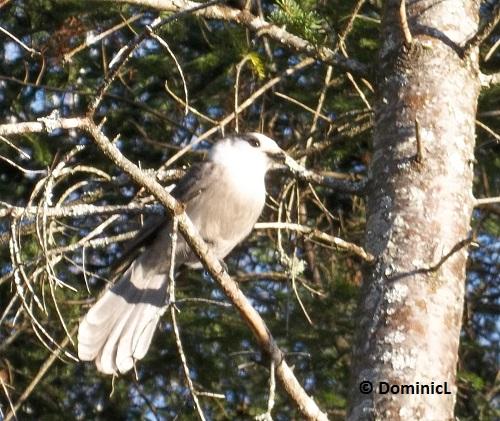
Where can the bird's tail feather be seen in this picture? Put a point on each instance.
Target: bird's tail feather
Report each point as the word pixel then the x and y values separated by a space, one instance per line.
pixel 119 328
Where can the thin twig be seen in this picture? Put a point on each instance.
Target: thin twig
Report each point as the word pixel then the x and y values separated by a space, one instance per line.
pixel 346 186
pixel 211 395
pixel 7 395
pixel 21 152
pixel 486 201
pixel 204 301
pixel 190 107
pixel 419 158
pixel 239 66
pixel 177 64
pixel 267 416
pixel 173 310
pixel 403 23
pixel 492 50
pixel 349 25
pixel 18 41
pixel 22 169
pixel 90 40
pixel 359 251
pixel 457 247
pixel 124 54
pixel 78 211
pixel 305 107
pixel 245 104
pixel 489 130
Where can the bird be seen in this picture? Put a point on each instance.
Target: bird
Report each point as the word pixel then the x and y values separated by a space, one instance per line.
pixel 223 196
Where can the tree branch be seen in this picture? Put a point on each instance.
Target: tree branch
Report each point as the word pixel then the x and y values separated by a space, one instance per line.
pixel 313 232
pixel 345 186
pixel 77 211
pixel 483 32
pixel 260 27
pixel 488 80
pixel 47 125
pixel 486 201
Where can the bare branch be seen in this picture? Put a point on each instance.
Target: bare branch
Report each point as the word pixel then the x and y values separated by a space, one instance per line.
pixel 173 310
pixel 488 80
pixel 40 126
pixel 483 32
pixel 435 266
pixel 492 50
pixel 245 104
pixel 403 23
pixel 486 201
pixel 77 211
pixel 349 25
pixel 305 107
pixel 313 232
pixel 18 41
pixel 489 130
pixel 355 187
pixel 90 40
pixel 177 64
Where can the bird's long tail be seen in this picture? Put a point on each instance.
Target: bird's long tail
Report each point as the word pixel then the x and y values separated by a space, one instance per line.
pixel 119 328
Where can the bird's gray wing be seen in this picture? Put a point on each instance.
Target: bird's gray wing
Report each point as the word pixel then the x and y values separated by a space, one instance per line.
pixel 190 186
pixel 196 180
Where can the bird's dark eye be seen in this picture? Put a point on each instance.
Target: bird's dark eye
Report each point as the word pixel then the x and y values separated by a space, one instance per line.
pixel 254 142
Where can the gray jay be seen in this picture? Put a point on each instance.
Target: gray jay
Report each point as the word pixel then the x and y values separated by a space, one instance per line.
pixel 224 196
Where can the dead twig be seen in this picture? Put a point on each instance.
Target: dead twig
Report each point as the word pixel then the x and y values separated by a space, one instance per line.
pixel 314 233
pixel 419 157
pixel 403 23
pixel 267 416
pixel 486 201
pixel 346 186
pixel 93 39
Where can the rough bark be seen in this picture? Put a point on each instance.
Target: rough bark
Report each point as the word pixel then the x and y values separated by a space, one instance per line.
pixel 419 209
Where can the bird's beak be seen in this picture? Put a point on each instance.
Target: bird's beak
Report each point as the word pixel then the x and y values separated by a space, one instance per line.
pixel 279 156
pixel 278 160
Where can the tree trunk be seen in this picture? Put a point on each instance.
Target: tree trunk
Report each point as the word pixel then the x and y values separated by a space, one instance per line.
pixel 419 209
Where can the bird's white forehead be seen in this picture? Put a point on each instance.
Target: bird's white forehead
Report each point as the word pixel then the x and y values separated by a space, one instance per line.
pixel 240 143
pixel 235 151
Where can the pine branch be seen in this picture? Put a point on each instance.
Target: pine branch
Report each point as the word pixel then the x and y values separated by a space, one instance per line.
pixel 260 27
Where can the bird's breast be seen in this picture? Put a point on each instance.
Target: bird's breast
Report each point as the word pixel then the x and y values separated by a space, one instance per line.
pixel 226 211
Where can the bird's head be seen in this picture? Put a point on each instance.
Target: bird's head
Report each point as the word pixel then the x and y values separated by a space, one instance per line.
pixel 254 150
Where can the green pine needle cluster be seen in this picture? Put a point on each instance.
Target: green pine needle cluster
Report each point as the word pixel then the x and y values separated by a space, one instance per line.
pixel 299 20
